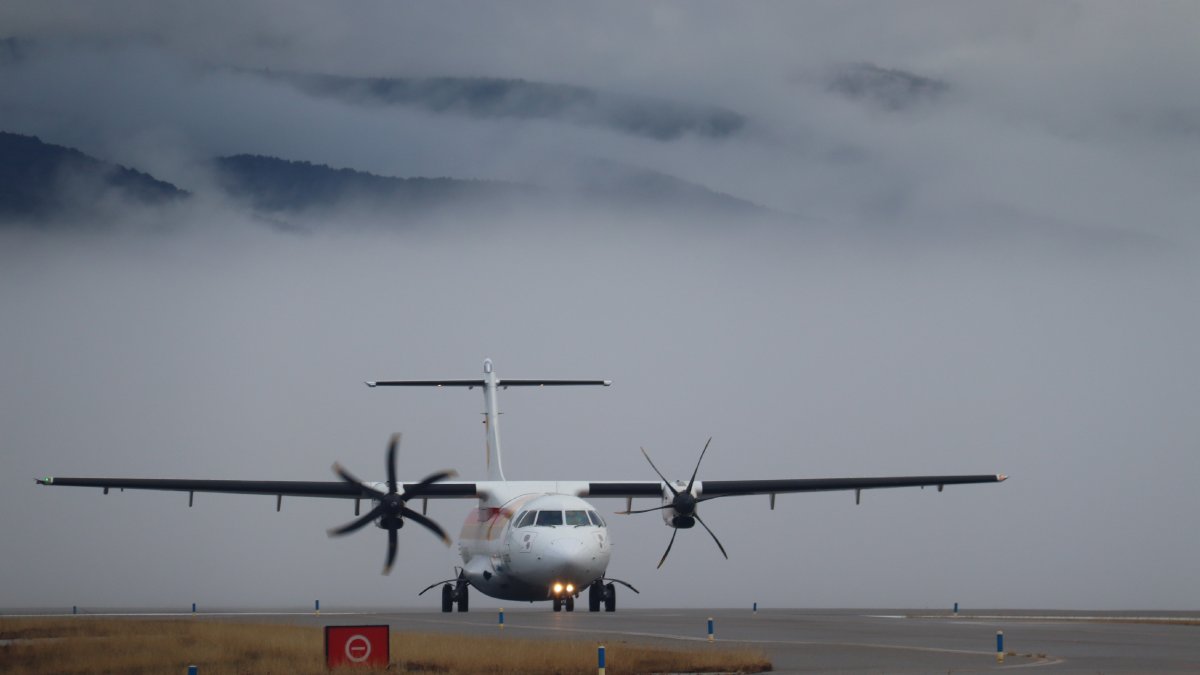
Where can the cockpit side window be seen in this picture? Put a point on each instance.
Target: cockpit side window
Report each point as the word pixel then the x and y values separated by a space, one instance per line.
pixel 549 518
pixel 596 519
pixel 526 519
pixel 577 518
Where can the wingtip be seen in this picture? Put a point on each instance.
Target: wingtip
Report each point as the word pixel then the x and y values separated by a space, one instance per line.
pixel 1000 477
pixel 369 383
pixel 44 481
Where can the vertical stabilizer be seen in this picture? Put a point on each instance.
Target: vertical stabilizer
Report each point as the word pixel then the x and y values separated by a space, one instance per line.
pixel 491 421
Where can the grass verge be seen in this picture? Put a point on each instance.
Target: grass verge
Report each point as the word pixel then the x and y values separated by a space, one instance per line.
pixel 79 645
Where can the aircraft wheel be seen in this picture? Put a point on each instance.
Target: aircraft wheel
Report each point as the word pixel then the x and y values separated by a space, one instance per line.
pixel 570 603
pixel 595 590
pixel 462 598
pixel 447 598
pixel 558 604
pixel 610 598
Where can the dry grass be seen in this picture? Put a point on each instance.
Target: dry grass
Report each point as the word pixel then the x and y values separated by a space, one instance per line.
pixel 133 646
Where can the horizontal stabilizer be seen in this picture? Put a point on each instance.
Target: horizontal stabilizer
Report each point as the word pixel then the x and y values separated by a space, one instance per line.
pixel 479 383
pixel 427 383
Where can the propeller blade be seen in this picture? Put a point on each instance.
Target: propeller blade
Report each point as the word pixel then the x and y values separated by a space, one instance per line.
pixel 415 490
pixel 710 533
pixel 671 543
pixel 353 480
pixel 697 469
pixel 357 523
pixel 429 524
pixel 660 474
pixel 391 554
pixel 393 443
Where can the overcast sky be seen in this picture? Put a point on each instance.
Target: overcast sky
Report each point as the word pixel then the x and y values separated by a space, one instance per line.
pixel 1000 276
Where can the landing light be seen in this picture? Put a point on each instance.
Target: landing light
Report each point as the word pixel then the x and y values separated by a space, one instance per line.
pixel 570 588
pixel 558 588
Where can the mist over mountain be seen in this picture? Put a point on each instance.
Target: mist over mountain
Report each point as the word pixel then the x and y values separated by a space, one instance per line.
pixel 286 188
pixel 485 97
pixel 41 181
pixel 889 89
pixel 278 185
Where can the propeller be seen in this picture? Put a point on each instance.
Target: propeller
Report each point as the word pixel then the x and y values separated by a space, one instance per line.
pixel 391 507
pixel 683 503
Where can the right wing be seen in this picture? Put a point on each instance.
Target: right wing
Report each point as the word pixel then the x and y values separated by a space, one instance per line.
pixel 278 488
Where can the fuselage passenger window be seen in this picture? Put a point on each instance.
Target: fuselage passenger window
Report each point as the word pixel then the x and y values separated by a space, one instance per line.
pixel 549 518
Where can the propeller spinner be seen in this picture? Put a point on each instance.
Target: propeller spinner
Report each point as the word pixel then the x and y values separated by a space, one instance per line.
pixel 683 503
pixel 391 508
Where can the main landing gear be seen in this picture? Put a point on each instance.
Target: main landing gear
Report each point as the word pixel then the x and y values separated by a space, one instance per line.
pixel 600 592
pixel 455 594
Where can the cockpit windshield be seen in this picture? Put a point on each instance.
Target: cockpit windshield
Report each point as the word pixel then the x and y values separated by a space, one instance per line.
pixel 596 519
pixel 578 518
pixel 549 518
pixel 526 519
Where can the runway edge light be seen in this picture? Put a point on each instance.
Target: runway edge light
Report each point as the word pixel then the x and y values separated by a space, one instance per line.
pixel 600 659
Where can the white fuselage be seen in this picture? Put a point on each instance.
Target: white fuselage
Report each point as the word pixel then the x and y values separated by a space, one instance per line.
pixel 534 546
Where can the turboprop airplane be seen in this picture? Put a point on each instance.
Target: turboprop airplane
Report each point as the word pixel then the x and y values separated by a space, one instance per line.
pixel 525 540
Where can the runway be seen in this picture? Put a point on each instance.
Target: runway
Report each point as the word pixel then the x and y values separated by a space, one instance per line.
pixel 846 641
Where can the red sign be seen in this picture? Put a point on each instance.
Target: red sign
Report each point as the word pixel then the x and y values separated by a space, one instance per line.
pixel 356 646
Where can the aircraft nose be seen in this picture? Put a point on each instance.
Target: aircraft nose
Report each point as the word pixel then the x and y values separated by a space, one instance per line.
pixel 568 558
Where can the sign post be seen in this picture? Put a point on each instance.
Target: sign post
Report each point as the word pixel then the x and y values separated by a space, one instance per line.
pixel 357 646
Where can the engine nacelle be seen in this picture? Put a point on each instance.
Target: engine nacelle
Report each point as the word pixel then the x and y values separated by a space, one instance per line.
pixel 673 515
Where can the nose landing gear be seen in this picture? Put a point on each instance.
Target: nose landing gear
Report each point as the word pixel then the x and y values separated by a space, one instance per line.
pixel 567 603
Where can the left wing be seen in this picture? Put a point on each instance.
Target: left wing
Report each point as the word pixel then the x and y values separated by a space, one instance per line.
pixel 711 489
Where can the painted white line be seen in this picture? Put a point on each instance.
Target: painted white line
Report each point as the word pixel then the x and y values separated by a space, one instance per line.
pixel 1036 664
pixel 1060 618
pixel 690 638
